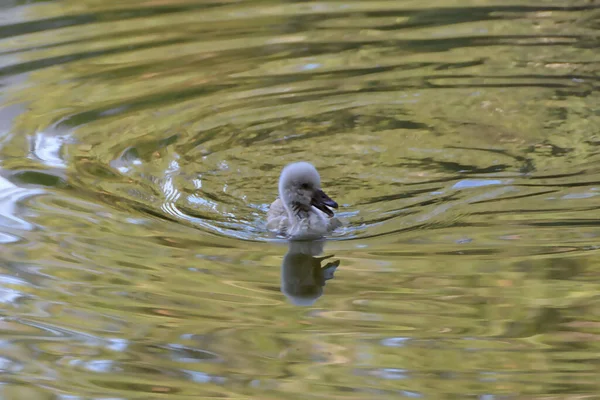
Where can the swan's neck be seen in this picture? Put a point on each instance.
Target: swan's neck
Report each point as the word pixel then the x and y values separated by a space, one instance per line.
pixel 299 211
pixel 296 210
pixel 305 222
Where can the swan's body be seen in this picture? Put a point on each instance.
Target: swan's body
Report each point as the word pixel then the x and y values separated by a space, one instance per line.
pixel 301 211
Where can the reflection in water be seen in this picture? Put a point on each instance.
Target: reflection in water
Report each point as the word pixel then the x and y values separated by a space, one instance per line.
pixel 302 274
pixel 10 198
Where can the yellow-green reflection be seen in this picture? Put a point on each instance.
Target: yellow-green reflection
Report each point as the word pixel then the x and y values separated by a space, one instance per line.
pixel 141 142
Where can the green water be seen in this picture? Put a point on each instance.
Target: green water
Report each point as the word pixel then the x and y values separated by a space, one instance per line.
pixel 140 146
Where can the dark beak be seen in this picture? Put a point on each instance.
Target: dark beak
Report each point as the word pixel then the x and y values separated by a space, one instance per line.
pixel 321 201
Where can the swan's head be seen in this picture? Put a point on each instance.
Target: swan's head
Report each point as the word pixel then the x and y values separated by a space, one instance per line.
pixel 300 189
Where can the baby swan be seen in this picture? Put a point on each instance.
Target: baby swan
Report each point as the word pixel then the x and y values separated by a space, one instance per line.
pixel 302 209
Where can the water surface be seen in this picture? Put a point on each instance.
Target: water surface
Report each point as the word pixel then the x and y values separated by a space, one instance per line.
pixel 140 146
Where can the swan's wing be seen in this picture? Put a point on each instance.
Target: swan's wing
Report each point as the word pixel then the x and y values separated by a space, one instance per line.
pixel 276 209
pixel 334 223
pixel 277 216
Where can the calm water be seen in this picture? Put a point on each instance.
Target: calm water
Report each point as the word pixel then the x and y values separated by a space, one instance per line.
pixel 140 146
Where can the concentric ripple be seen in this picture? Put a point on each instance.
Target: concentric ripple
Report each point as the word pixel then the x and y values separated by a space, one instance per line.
pixel 402 108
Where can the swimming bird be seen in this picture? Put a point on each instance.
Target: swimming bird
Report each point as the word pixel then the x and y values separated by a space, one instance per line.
pixel 302 210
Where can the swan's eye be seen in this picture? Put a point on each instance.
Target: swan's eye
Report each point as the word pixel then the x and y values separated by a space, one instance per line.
pixel 305 186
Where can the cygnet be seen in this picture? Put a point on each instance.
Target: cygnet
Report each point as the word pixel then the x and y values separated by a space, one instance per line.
pixel 303 210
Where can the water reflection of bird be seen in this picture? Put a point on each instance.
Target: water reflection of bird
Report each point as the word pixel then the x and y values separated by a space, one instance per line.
pixel 302 276
pixel 302 210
